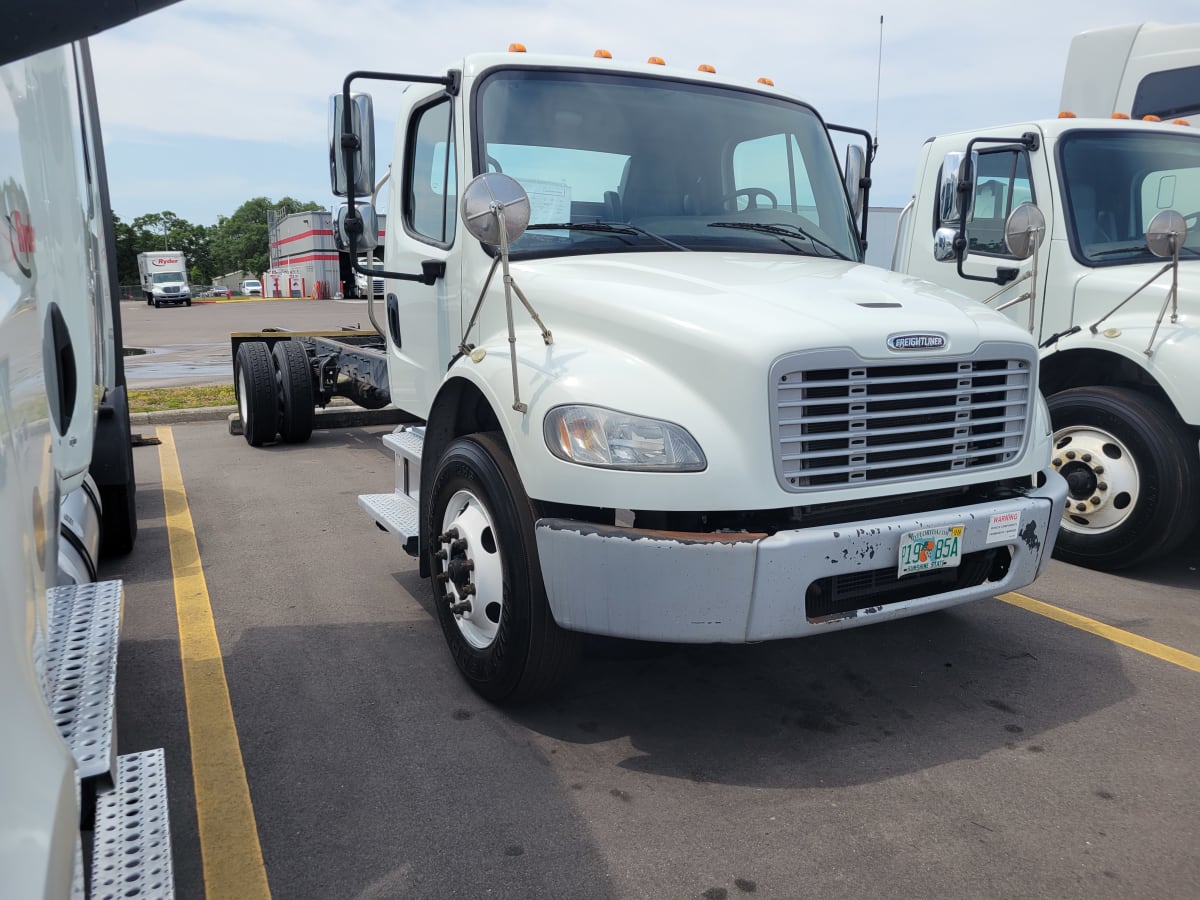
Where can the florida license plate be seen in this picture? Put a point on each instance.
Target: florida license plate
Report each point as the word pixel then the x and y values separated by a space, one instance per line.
pixel 930 548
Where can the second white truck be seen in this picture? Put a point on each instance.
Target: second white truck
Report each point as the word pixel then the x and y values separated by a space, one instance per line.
pixel 164 278
pixel 659 395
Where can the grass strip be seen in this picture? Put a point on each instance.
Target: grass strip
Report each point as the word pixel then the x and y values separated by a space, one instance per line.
pixel 191 397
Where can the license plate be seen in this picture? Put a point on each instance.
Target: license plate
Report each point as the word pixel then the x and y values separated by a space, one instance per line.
pixel 930 548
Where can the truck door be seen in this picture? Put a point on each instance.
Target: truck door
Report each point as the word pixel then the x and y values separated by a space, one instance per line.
pixel 1006 176
pixel 424 322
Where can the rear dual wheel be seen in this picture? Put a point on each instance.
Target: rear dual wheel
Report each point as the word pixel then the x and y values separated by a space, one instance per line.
pixel 274 392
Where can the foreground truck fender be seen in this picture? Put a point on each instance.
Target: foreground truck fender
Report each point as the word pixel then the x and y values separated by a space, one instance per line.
pixel 658 394
pixel 1113 306
pixel 66 495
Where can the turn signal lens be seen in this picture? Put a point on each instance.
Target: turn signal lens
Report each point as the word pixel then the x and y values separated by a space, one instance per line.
pixel 594 436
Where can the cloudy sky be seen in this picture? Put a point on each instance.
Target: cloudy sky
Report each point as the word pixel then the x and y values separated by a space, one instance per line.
pixel 210 102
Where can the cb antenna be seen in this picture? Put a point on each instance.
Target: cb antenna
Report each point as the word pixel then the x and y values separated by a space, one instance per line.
pixel 878 77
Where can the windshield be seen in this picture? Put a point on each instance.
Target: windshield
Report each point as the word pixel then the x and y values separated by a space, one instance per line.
pixel 1115 183
pixel 253 283
pixel 161 277
pixel 680 166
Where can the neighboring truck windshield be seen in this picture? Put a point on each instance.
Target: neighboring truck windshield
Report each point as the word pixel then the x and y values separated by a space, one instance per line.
pixel 1115 184
pixel 163 277
pixel 627 163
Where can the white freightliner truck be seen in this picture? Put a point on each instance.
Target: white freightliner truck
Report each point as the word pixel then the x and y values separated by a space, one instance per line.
pixel 66 485
pixel 676 406
pixel 164 278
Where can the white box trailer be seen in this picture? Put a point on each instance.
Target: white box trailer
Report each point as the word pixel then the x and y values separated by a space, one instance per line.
pixel 164 278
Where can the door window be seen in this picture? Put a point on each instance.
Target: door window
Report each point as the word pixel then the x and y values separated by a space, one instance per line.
pixel 431 204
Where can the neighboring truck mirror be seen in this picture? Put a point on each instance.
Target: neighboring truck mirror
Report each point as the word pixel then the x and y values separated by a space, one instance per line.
pixel 362 127
pixel 485 197
pixel 1166 233
pixel 1024 231
pixel 943 244
pixel 954 199
pixel 368 238
pixel 855 166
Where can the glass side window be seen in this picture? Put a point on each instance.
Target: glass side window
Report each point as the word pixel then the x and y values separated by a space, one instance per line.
pixel 1001 185
pixel 769 172
pixel 431 202
pixel 1168 94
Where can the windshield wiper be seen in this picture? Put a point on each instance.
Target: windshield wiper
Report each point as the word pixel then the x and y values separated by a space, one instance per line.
pixel 783 230
pixel 607 228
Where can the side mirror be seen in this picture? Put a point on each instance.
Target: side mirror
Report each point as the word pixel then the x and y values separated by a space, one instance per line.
pixel 362 157
pixel 1024 231
pixel 365 224
pixel 943 244
pixel 855 166
pixel 954 202
pixel 1166 233
pixel 489 199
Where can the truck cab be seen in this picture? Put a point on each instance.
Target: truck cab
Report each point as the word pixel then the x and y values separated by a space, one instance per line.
pixel 660 395
pixel 1115 318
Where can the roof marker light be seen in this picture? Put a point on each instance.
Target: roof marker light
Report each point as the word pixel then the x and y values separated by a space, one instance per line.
pixel 1120 115
pixel 767 81
pixel 602 54
pixel 1151 118
pixel 656 61
pixel 1180 122
pixel 705 67
pixel 516 48
pixel 1066 114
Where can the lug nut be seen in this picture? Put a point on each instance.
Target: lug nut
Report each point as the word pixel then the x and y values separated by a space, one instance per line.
pixel 448 536
pixel 1099 470
pixel 457 546
pixel 467 590
pixel 441 577
pixel 1070 454
pixel 1095 501
pixel 461 608
pixel 441 554
pixel 1102 486
pixel 1082 507
pixel 1087 457
pixel 1056 462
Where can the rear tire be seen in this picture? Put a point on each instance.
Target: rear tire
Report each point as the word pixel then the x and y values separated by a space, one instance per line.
pixel 506 644
pixel 1133 455
pixel 295 392
pixel 258 401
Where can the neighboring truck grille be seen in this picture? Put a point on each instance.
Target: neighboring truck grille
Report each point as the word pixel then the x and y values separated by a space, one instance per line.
pixel 840 420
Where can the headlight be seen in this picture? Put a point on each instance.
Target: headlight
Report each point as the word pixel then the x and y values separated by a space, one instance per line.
pixel 594 436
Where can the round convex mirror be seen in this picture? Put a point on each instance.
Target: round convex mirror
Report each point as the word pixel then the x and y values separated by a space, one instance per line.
pixel 1024 230
pixel 483 196
pixel 1166 231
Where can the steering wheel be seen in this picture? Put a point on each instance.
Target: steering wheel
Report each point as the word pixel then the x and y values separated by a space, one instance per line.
pixel 751 194
pixel 492 164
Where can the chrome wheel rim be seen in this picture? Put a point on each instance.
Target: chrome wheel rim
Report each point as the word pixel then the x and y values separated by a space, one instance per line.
pixel 469 572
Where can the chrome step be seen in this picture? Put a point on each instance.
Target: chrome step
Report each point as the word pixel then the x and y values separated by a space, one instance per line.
pixel 131 855
pixel 83 629
pixel 395 513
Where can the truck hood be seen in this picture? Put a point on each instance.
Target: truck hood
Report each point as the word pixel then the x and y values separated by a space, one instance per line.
pixel 1099 291
pixel 763 303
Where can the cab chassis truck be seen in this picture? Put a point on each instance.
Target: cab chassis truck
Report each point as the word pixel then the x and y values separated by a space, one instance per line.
pixel 658 395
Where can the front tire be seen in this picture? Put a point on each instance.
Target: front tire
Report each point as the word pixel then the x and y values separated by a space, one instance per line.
pixel 1133 476
pixel 487 581
pixel 258 402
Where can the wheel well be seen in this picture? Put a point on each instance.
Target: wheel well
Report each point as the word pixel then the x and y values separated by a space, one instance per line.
pixel 1081 368
pixel 460 408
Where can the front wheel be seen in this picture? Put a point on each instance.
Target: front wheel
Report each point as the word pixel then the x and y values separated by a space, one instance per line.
pixel 487 580
pixel 1132 472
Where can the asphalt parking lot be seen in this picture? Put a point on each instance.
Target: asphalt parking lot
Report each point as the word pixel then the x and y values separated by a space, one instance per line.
pixel 985 751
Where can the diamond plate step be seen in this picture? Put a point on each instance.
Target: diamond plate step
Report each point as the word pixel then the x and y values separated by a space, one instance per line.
pixel 131 856
pixel 84 627
pixel 406 443
pixel 396 513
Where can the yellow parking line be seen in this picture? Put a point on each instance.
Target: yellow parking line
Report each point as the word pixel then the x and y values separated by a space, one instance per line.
pixel 229 848
pixel 1116 635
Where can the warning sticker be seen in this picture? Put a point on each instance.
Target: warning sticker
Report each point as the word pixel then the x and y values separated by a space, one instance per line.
pixel 1003 527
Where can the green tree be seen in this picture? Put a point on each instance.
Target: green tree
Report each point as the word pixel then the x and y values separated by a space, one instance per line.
pixel 240 241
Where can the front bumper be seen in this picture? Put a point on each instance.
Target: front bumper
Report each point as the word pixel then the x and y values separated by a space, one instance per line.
pixel 734 588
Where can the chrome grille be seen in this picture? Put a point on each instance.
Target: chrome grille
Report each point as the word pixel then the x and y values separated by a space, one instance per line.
pixel 841 420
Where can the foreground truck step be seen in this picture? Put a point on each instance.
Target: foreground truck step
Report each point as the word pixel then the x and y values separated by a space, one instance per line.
pixel 131 854
pixel 399 511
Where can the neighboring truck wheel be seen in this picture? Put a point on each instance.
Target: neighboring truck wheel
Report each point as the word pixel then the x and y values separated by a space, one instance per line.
pixel 1133 475
pixel 487 581
pixel 254 383
pixel 118 500
pixel 295 392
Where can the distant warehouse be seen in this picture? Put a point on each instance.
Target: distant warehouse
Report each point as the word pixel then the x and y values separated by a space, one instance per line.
pixel 305 261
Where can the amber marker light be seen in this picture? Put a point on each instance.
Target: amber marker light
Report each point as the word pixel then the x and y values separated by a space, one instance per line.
pixel 1066 114
pixel 1120 115
pixel 602 54
pixel 767 81
pixel 657 61
pixel 516 48
pixel 705 67
pixel 1180 122
pixel 1151 118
